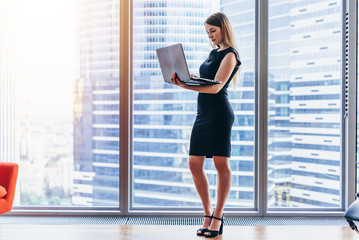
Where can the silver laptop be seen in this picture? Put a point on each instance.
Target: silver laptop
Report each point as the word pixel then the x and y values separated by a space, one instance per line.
pixel 172 60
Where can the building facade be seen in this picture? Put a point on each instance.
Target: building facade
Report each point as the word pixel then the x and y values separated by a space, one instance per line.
pixel 315 103
pixel 96 105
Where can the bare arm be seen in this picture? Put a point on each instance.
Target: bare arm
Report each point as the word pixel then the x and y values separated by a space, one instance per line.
pixel 224 72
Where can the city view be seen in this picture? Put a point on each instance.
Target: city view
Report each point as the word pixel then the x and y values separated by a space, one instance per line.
pixel 62 108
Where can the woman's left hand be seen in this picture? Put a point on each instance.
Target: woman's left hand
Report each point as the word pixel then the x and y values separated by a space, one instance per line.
pixel 176 81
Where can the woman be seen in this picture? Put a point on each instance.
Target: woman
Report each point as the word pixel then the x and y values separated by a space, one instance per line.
pixel 211 133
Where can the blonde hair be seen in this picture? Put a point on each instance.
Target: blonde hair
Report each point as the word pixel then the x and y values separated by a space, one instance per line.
pixel 221 20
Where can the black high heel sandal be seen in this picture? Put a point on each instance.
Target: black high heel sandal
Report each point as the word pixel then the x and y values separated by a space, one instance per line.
pixel 203 230
pixel 214 233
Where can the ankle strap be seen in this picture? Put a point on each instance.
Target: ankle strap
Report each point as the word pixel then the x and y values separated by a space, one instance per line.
pixel 207 216
pixel 221 219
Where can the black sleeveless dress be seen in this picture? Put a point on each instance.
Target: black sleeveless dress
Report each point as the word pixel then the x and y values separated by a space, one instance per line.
pixel 211 133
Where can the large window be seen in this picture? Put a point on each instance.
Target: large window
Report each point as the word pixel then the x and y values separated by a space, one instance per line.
pixel 60 104
pixel 304 104
pixel 163 115
pixel 65 107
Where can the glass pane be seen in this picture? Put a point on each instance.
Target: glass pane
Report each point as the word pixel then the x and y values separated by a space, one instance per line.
pixel 163 115
pixel 67 100
pixel 96 104
pixel 304 99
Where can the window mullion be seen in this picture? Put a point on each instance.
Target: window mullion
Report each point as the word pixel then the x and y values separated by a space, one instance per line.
pixel 349 100
pixel 261 103
pixel 124 105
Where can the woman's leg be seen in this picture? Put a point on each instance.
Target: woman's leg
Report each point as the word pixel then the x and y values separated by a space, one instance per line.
pixel 196 164
pixel 223 187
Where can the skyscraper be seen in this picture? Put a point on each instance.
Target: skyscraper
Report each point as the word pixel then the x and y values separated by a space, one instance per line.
pixel 304 142
pixel 96 105
pixel 279 138
pixel 163 114
pixel 315 103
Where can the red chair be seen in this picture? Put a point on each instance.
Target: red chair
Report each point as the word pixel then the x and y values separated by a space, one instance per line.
pixel 8 177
